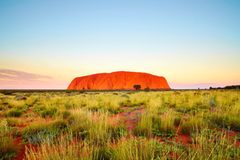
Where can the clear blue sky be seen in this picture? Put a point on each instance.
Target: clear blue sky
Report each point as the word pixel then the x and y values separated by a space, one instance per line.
pixel 190 42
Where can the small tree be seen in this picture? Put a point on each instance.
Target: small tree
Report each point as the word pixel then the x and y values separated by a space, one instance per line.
pixel 137 86
pixel 147 89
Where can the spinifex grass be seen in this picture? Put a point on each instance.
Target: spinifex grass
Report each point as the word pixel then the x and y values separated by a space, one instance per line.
pixel 7 147
pixel 77 125
pixel 212 144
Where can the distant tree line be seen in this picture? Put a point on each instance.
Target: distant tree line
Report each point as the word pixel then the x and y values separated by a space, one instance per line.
pixel 227 87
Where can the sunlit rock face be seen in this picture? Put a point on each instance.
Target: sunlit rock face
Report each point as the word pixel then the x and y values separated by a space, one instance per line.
pixel 121 80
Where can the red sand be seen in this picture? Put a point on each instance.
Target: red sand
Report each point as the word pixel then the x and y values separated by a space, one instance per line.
pixel 21 152
pixel 129 118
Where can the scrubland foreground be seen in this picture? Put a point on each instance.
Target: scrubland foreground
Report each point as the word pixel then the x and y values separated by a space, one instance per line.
pixel 120 125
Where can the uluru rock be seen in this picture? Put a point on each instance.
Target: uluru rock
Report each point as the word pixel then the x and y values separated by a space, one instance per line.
pixel 121 80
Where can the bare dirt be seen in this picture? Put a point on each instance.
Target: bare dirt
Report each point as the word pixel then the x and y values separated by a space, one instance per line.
pixel 130 117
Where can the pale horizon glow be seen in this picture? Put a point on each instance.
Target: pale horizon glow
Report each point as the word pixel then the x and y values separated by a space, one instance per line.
pixel 193 44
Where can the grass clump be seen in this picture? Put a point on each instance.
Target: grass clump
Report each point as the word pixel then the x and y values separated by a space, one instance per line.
pixel 45 111
pixel 116 132
pixel 193 125
pixel 88 130
pixel 94 127
pixel 99 130
pixel 7 147
pixel 144 149
pixel 211 144
pixel 156 125
pixel 17 111
pixel 14 113
pixel 79 123
pixel 132 149
pixel 102 153
pixel 38 133
pixel 145 125
pixel 167 127
pixel 65 114
pixel 227 121
pixel 59 149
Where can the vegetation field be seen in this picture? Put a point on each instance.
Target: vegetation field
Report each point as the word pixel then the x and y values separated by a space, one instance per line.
pixel 132 125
